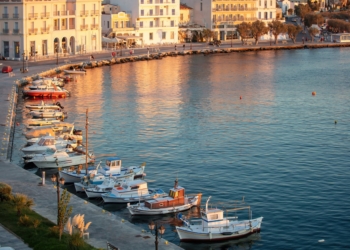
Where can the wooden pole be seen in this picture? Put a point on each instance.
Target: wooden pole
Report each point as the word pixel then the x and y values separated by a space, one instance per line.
pixel 86 141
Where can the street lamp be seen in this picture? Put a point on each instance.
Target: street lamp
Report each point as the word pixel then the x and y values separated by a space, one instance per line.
pixel 270 36
pixel 56 180
pixel 231 35
pixel 121 49
pixel 154 226
pixel 57 55
pixel 23 54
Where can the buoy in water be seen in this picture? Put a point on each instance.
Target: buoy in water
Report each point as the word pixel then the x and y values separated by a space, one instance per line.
pixel 335 122
pixel 321 240
pixel 313 93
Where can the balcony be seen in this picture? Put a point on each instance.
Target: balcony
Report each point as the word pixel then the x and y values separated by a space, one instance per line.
pixel 32 16
pixel 5 16
pixel 56 28
pixel 63 12
pixel 5 31
pixel 84 13
pixel 234 9
pixel 16 15
pixel 94 26
pixel 45 15
pixel 157 1
pixel 232 19
pixel 45 30
pixel 84 27
pixel 15 31
pixel 32 31
pixel 94 12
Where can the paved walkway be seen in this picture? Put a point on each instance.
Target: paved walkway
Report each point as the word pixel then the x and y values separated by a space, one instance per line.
pixel 8 239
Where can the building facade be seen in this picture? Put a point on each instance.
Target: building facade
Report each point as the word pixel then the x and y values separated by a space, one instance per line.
pixel 223 16
pixel 156 21
pixel 42 28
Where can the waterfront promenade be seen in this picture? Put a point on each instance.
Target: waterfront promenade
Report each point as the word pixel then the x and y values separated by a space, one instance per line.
pixel 105 227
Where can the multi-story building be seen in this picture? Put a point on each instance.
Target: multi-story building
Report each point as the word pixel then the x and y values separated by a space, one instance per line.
pixel 45 27
pixel 156 21
pixel 223 16
pixel 267 10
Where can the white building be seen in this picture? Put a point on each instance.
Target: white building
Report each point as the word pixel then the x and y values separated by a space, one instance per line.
pixel 45 27
pixel 267 10
pixel 156 21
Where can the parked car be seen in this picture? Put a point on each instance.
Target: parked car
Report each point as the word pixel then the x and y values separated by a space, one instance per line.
pixel 7 69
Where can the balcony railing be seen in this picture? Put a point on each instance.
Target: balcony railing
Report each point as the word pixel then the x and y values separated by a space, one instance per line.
pixel 234 19
pixel 45 15
pixel 5 16
pixel 94 26
pixel 5 31
pixel 32 31
pixel 94 12
pixel 15 31
pixel 63 12
pixel 32 15
pixel 84 13
pixel 16 15
pixel 56 28
pixel 84 27
pixel 155 26
pixel 45 30
pixel 235 9
pixel 157 1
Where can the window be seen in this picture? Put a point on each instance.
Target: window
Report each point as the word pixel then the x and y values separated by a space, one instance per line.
pixel 164 35
pixel 259 15
pixel 142 1
pixel 151 24
pixel 201 6
pixel 16 25
pixel 142 12
pixel 151 12
pixel 127 24
pixel 161 12
pixel 150 36
pixel 16 10
pixel 108 24
pixel 259 2
pixel 115 24
pixel 181 17
pixel 172 35
pixel 173 1
pixel 172 23
pixel 270 2
pixel 141 24
pixel 173 12
pixel 270 15
pixel 213 217
pixel 141 35
pixel 5 10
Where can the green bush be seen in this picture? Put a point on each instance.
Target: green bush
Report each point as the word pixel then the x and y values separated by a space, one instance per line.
pixel 24 220
pixel 5 192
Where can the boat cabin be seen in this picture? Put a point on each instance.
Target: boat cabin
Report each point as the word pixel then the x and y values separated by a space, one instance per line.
pixel 176 198
pixel 47 141
pixel 134 187
pixel 113 166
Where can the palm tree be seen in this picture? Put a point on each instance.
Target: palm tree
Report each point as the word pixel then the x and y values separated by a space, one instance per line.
pixel 21 201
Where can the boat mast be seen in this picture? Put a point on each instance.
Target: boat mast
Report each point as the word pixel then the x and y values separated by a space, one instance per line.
pixel 206 205
pixel 86 140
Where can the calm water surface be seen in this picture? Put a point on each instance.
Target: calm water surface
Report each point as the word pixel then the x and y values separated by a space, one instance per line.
pixel 278 146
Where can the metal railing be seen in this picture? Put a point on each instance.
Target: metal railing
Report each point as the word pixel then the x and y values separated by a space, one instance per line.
pixel 234 19
pixel 15 31
pixel 94 26
pixel 45 15
pixel 84 13
pixel 16 15
pixel 45 30
pixel 32 31
pixel 32 15
pixel 5 31
pixel 5 15
pixel 84 27
pixel 235 9
pixel 94 12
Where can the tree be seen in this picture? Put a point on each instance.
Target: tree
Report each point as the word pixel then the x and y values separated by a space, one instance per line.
pixel 313 32
pixel 21 201
pixel 208 34
pixel 301 10
pixel 244 31
pixel 293 31
pixel 63 212
pixel 277 28
pixel 258 28
pixel 311 19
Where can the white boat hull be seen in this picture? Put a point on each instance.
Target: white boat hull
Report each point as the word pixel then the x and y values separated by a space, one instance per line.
pixel 141 210
pixel 71 161
pixel 93 193
pixel 194 233
pixel 74 71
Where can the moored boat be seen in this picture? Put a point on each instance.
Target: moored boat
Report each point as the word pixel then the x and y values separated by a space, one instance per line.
pixel 47 91
pixel 132 191
pixel 213 226
pixel 175 202
pixel 43 105
pixel 48 113
pixel 73 71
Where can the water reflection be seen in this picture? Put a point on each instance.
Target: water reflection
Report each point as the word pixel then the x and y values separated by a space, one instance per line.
pixel 240 244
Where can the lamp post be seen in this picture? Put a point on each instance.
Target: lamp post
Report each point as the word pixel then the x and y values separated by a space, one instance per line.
pixel 231 35
pixel 23 54
pixel 270 36
pixel 56 180
pixel 57 55
pixel 154 226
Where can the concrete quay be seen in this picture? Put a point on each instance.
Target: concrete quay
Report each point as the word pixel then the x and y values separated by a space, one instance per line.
pixel 105 226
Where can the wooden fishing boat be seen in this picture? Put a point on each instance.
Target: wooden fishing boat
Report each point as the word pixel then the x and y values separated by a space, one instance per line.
pixel 73 71
pixel 43 105
pixel 213 226
pixel 176 201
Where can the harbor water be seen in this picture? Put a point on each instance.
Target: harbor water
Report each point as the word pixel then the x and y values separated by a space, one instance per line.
pixel 229 126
